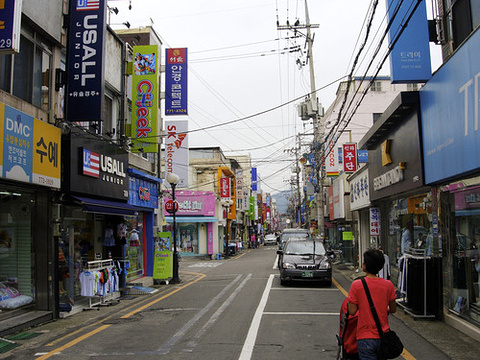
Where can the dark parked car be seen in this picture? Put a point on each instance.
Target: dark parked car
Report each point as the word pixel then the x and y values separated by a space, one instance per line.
pixel 305 260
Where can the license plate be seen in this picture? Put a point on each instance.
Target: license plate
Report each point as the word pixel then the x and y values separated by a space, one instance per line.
pixel 307 274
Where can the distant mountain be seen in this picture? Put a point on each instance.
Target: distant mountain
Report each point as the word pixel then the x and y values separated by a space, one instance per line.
pixel 282 201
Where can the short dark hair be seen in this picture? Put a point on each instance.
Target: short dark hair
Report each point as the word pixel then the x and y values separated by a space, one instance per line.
pixel 373 260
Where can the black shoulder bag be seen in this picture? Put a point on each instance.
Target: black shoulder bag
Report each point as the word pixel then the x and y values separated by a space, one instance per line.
pixel 391 346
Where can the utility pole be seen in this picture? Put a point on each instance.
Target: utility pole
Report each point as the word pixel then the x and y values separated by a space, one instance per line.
pixel 311 109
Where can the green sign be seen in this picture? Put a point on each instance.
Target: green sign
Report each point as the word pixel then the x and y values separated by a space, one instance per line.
pixel 347 236
pixel 162 262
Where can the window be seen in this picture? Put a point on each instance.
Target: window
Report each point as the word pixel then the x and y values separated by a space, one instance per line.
pixel 412 87
pixel 31 71
pixel 376 86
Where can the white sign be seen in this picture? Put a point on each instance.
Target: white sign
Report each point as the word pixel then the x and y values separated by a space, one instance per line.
pixel 360 191
pixel 176 150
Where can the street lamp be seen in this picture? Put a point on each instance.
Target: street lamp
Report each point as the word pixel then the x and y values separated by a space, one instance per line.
pixel 226 204
pixel 173 180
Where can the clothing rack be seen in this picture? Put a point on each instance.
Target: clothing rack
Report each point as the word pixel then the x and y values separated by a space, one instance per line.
pixel 420 254
pixel 99 300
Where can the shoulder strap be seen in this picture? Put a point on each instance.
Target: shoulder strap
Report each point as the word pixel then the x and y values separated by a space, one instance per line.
pixel 372 308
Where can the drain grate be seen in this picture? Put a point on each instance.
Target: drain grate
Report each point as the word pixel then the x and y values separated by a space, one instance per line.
pixel 6 345
pixel 23 336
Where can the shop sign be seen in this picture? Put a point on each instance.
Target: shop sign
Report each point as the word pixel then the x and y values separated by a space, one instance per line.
pixel 254 179
pixel 192 203
pixel 410 56
pixel 391 177
pixel 176 151
pixel 359 191
pixel 10 21
pixel 30 149
pixel 176 82
pixel 349 158
pixel 142 193
pixel 144 129
pixel 332 166
pixel 225 187
pixel 374 221
pixel 86 55
pixel 96 167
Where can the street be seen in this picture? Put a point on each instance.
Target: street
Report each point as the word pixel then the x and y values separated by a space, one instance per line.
pixel 223 309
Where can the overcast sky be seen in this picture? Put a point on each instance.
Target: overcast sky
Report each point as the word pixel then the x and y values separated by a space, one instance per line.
pixel 238 68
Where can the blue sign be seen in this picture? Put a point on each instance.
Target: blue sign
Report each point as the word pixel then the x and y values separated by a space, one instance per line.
pixel 449 110
pixel 86 65
pixel 410 57
pixel 254 179
pixel 176 82
pixel 142 193
pixel 362 156
pixel 10 15
pixel 18 145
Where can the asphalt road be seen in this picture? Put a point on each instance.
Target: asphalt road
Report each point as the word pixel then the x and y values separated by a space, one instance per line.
pixel 223 309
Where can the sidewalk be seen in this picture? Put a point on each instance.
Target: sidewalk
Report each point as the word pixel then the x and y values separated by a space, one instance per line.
pixel 444 337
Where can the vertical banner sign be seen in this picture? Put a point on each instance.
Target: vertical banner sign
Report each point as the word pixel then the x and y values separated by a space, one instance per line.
pixel 374 221
pixel 176 82
pixel 349 158
pixel 225 188
pixel 410 58
pixel 10 20
pixel 254 179
pixel 251 207
pixel 85 58
pixel 331 163
pixel 162 262
pixel 145 101
pixel 176 150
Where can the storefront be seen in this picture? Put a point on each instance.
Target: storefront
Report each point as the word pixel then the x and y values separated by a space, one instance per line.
pixel 139 252
pixel 452 166
pixel 30 152
pixel 402 205
pixel 196 225
pixel 97 221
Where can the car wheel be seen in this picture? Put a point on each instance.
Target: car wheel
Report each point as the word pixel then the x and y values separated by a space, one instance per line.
pixel 328 283
pixel 283 282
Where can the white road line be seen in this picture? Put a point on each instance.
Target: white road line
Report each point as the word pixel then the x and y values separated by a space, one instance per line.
pixel 275 265
pixel 191 344
pixel 247 349
pixel 300 313
pixel 165 348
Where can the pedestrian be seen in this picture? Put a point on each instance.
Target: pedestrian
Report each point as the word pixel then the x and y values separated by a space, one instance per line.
pixel 383 295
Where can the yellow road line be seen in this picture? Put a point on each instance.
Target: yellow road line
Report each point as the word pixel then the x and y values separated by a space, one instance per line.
pixel 73 342
pixel 103 327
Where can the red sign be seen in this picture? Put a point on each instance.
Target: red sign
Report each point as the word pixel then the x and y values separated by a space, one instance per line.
pixel 224 187
pixel 349 158
pixel 169 206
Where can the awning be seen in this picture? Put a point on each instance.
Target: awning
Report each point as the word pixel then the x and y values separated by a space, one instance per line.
pixel 187 219
pixel 106 207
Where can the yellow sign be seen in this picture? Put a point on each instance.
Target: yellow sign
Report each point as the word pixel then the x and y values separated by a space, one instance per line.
pixel 46 154
pixel 386 159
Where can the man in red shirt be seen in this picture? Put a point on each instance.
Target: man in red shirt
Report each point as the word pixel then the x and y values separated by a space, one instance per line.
pixel 383 295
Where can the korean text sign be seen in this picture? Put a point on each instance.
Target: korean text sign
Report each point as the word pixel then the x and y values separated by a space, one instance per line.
pixel 176 82
pixel 145 101
pixel 374 221
pixel 349 158
pixel 86 60
pixel 30 149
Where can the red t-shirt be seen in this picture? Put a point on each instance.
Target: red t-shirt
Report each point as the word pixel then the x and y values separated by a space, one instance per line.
pixel 382 292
